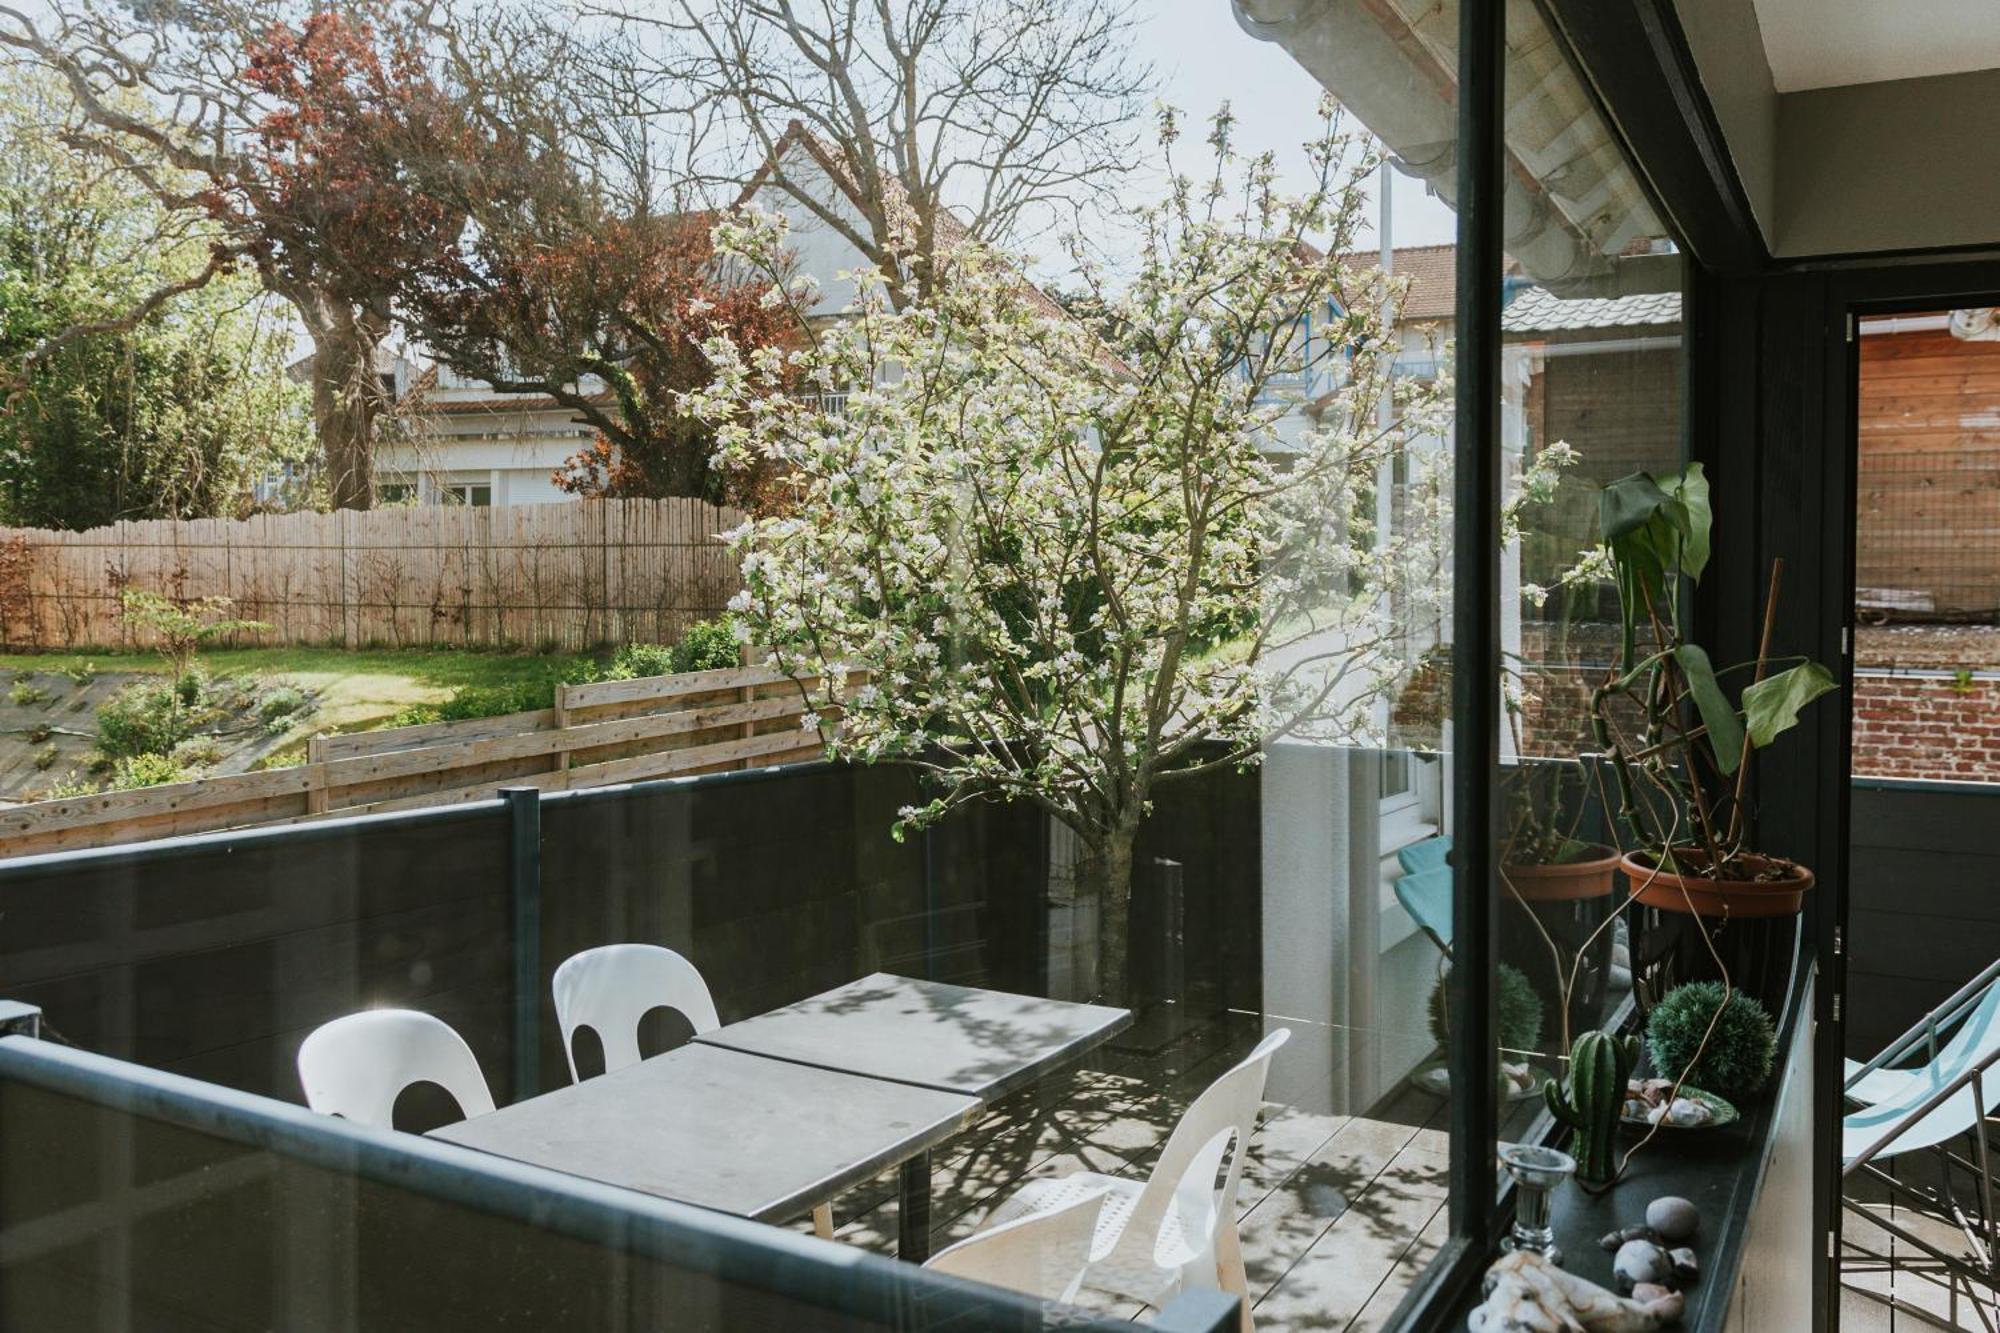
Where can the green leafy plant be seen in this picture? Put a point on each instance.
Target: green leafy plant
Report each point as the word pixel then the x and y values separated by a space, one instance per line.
pixel 198 753
pixel 1589 1100
pixel 1679 747
pixel 147 770
pixel 636 660
pixel 146 717
pixel 1520 1010
pixel 66 788
pixel 282 703
pixel 45 758
pixel 1733 1060
pixel 1962 681
pixel 81 673
pixel 707 645
pixel 180 626
pixel 24 695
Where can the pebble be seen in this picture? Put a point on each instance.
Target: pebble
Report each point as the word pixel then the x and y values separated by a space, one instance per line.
pixel 1686 1267
pixel 1640 1261
pixel 1673 1217
pixel 1611 1240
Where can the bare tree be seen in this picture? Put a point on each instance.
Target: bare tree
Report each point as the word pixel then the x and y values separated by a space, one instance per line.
pixel 279 131
pixel 932 119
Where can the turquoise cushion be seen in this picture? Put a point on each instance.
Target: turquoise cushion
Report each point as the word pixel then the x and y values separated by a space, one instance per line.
pixel 1430 854
pixel 1426 896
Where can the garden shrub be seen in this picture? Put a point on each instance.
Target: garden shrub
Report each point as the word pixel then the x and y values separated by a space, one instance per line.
pixel 640 659
pixel 147 770
pixel 69 786
pixel 24 695
pixel 1737 1060
pixel 146 717
pixel 707 645
pixel 1520 1011
pixel 198 753
pixel 282 703
pixel 82 673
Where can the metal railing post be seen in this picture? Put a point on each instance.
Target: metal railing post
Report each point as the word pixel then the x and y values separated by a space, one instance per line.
pixel 524 823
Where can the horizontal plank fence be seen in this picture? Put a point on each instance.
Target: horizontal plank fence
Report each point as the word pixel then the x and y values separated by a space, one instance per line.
pixel 598 734
pixel 554 576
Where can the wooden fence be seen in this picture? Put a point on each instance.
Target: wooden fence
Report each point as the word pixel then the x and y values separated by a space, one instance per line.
pixel 597 734
pixel 549 576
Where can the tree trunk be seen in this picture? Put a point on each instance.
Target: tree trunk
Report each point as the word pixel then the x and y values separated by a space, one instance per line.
pixel 1107 872
pixel 347 397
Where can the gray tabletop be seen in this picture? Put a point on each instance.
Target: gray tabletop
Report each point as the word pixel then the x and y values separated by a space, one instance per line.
pixel 761 1138
pixel 981 1043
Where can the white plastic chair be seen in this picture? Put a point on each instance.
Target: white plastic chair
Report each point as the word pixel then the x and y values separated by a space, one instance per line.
pixel 1176 1231
pixel 609 989
pixel 1043 1254
pixel 355 1067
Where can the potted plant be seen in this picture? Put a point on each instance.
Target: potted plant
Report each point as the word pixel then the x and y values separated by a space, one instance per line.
pixel 1542 856
pixel 1677 746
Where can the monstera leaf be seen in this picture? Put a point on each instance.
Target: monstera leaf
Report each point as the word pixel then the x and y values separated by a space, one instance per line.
pixel 1656 529
pixel 1771 706
pixel 1725 729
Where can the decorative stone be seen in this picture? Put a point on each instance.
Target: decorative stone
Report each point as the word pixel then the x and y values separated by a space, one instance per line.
pixel 1686 1266
pixel 1640 1261
pixel 1673 1217
pixel 1612 1240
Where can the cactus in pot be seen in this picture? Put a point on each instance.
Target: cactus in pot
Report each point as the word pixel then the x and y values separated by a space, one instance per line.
pixel 1591 1099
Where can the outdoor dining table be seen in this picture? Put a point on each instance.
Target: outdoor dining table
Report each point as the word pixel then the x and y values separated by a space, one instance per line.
pixel 770 1116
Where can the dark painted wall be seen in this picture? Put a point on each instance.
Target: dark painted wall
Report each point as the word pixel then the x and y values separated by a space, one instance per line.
pixel 1925 909
pixel 214 957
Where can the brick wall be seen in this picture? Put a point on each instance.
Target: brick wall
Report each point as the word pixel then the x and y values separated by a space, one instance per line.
pixel 1927 726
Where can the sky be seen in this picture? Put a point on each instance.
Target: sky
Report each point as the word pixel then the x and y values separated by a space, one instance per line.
pixel 1204 59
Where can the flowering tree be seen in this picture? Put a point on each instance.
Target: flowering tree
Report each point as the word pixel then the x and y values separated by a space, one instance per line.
pixel 1069 558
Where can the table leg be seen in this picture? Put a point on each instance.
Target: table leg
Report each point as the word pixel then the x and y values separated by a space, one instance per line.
pixel 913 1211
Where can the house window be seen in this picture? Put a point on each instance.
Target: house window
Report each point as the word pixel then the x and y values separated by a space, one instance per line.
pixel 477 494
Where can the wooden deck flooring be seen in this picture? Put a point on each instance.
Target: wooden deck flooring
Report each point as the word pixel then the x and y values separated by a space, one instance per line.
pixel 1338 1212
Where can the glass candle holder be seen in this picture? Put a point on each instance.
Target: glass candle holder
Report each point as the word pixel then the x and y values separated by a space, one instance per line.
pixel 1537 1172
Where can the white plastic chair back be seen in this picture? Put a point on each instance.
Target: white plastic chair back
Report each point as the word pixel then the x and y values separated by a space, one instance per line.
pixel 355 1067
pixel 1220 1121
pixel 609 989
pixel 1042 1254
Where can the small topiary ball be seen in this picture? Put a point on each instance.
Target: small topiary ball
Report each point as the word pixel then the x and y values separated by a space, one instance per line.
pixel 1520 1011
pixel 1737 1060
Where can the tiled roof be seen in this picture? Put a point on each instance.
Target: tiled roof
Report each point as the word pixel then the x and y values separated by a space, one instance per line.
pixel 1432 271
pixel 1538 310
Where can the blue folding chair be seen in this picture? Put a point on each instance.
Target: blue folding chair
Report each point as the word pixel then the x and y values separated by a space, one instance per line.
pixel 1424 888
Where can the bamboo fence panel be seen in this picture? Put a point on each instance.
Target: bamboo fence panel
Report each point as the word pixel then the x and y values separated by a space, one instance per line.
pixel 596 735
pixel 556 576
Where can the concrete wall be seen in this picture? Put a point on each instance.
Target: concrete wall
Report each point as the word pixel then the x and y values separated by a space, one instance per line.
pixel 1901 164
pixel 1729 52
pixel 1906 164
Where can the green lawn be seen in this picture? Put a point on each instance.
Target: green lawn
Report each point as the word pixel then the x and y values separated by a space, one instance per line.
pixel 356 689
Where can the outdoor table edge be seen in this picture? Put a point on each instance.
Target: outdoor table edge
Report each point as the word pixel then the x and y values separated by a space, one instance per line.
pixel 788 1206
pixel 1012 1083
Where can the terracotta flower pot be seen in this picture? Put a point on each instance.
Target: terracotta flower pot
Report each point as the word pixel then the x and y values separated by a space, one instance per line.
pixel 1591 878
pixel 1737 899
